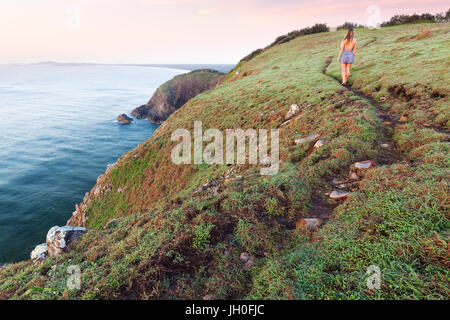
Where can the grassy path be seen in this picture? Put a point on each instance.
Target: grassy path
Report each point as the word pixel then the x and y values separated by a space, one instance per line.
pixel 389 155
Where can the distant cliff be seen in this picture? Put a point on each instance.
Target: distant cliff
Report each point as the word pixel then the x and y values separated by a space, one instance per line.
pixel 176 92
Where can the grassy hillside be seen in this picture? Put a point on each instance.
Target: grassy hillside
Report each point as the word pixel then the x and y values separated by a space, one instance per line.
pixel 174 241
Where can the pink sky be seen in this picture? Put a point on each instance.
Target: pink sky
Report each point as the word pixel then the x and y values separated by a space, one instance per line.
pixel 169 31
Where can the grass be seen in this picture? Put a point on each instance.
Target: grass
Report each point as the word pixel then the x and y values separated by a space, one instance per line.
pixel 174 243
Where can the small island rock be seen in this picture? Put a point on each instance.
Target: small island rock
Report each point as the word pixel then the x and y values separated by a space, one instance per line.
pixel 124 119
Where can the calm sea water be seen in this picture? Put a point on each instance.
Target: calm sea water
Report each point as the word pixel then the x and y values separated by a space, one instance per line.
pixel 57 134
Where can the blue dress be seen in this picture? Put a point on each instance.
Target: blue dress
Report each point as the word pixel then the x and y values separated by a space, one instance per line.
pixel 347 57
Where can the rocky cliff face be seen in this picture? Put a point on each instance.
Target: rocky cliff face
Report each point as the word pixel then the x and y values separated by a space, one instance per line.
pixel 176 92
pixel 79 216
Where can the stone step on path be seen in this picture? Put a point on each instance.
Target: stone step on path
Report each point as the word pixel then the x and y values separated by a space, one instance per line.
pixel 339 195
pixel 357 172
pixel 322 209
pixel 308 223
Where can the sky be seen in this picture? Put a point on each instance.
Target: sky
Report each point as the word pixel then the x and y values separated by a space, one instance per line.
pixel 172 31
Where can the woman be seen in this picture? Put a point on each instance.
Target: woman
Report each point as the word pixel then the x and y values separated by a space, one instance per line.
pixel 347 55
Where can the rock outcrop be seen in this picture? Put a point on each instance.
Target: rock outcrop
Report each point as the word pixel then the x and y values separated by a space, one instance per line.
pixel 310 138
pixel 124 119
pixel 176 92
pixel 141 112
pixel 339 195
pixel 39 253
pixel 308 223
pixel 60 239
pixel 295 110
pixel 79 216
pixel 247 259
pixel 357 171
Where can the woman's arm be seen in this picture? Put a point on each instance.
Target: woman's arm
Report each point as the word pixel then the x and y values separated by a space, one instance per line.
pixel 354 48
pixel 342 49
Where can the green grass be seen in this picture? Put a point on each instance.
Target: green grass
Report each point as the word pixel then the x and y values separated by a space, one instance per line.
pixel 173 243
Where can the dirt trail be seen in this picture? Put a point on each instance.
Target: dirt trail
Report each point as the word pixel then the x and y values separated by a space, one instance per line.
pixel 369 43
pixel 323 206
pixel 389 121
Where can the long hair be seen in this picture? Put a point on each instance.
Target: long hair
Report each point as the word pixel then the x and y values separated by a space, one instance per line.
pixel 349 37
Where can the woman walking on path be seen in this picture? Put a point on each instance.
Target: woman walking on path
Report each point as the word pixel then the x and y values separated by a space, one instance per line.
pixel 347 55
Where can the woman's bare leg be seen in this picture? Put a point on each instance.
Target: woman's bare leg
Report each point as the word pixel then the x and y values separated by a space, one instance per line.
pixel 348 66
pixel 344 73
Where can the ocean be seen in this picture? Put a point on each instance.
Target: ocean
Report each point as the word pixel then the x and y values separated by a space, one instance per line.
pixel 58 132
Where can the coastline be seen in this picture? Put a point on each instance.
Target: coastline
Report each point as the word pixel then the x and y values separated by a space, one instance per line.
pixel 72 135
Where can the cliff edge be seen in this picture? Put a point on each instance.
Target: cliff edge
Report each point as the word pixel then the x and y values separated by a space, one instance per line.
pixel 176 92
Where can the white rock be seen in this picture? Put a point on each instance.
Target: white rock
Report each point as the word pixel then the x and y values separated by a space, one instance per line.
pixel 365 164
pixel 312 222
pixel 339 195
pixel 347 185
pixel 245 256
pixel 59 239
pixel 292 112
pixel 308 223
pixel 307 139
pixel 39 253
pixel 319 144
pixel 354 176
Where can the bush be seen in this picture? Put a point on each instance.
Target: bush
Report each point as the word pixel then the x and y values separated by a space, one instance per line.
pixel 349 25
pixel 443 17
pixel 317 28
pixel 417 18
pixel 252 55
